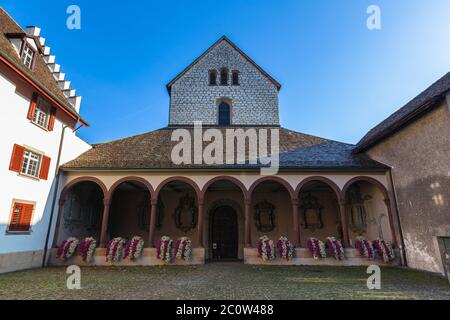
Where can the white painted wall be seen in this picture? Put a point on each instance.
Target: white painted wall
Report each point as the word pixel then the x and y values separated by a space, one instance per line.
pixel 15 98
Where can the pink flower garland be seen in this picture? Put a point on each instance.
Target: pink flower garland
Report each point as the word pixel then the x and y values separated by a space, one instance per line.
pixel 133 249
pixel 266 249
pixel 164 249
pixel 317 248
pixel 87 248
pixel 114 251
pixel 364 248
pixel 67 249
pixel 334 247
pixel 384 250
pixel 285 248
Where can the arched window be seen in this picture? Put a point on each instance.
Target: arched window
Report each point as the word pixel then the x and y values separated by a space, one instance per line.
pixel 212 77
pixel 224 114
pixel 235 78
pixel 224 76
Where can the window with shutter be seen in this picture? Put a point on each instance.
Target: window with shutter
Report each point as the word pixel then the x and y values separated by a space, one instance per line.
pixel 21 216
pixel 29 163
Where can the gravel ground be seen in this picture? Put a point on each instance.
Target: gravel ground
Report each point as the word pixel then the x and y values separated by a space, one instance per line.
pixel 223 281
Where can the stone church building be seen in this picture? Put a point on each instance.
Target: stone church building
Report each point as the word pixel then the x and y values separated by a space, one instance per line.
pixel 132 187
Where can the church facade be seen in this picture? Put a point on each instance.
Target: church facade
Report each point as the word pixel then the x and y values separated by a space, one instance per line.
pixel 132 187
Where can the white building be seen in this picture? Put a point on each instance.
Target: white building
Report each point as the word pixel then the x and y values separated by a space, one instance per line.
pixel 40 113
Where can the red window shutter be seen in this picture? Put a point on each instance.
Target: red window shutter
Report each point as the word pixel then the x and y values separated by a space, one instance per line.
pixel 51 122
pixel 45 167
pixel 32 107
pixel 21 217
pixel 16 158
pixel 27 214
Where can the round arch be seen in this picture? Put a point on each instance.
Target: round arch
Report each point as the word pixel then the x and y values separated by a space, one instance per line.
pixel 325 180
pixel 181 179
pixel 281 181
pixel 370 180
pixel 76 181
pixel 130 179
pixel 385 193
pixel 233 180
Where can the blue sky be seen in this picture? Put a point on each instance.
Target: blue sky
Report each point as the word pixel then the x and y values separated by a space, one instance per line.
pixel 339 78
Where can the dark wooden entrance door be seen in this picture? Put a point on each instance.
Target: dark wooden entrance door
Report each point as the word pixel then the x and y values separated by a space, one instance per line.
pixel 224 233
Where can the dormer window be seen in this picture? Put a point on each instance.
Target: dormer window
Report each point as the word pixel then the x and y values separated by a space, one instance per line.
pixel 212 77
pixel 235 78
pixel 41 115
pixel 27 56
pixel 224 77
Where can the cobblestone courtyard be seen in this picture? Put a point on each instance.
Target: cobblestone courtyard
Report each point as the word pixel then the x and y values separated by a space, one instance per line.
pixel 223 281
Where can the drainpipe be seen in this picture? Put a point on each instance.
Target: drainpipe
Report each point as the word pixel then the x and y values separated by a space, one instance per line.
pixel 397 213
pixel 55 192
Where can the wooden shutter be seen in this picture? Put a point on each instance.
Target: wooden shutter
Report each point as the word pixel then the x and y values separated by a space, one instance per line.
pixel 51 122
pixel 17 158
pixel 21 217
pixel 45 167
pixel 32 107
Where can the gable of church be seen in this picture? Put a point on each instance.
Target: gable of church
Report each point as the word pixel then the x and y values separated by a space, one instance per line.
pixel 224 87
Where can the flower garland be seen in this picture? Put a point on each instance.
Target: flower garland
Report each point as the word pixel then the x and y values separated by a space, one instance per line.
pixel 334 247
pixel 285 248
pixel 114 251
pixel 317 248
pixel 383 250
pixel 67 249
pixel 266 248
pixel 87 248
pixel 364 248
pixel 133 249
pixel 183 248
pixel 164 249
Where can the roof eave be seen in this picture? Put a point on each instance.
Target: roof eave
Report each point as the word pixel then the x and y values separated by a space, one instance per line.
pixel 30 79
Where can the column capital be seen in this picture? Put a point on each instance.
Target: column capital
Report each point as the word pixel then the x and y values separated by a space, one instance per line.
pixel 201 201
pixel 248 201
pixel 154 201
pixel 295 201
pixel 342 202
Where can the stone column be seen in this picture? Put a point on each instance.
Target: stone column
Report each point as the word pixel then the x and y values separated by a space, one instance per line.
pixel 387 201
pixel 58 222
pixel 201 219
pixel 105 220
pixel 296 222
pixel 344 223
pixel 152 227
pixel 248 223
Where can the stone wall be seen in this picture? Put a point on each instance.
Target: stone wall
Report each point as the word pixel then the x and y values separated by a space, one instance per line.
pixel 253 102
pixel 419 155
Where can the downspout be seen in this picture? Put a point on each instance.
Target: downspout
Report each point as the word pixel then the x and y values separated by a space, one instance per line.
pixel 397 213
pixel 55 192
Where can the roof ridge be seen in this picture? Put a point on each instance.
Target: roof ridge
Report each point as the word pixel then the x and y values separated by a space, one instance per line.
pixel 234 46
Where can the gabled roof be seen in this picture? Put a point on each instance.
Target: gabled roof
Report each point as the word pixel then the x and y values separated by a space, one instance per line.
pixel 413 110
pixel 224 38
pixel 40 76
pixel 152 151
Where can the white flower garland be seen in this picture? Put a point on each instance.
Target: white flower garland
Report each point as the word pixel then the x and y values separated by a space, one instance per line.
pixel 68 248
pixel 266 248
pixel 364 247
pixel 285 248
pixel 184 246
pixel 134 248
pixel 387 252
pixel 335 246
pixel 114 252
pixel 317 248
pixel 164 250
pixel 90 250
